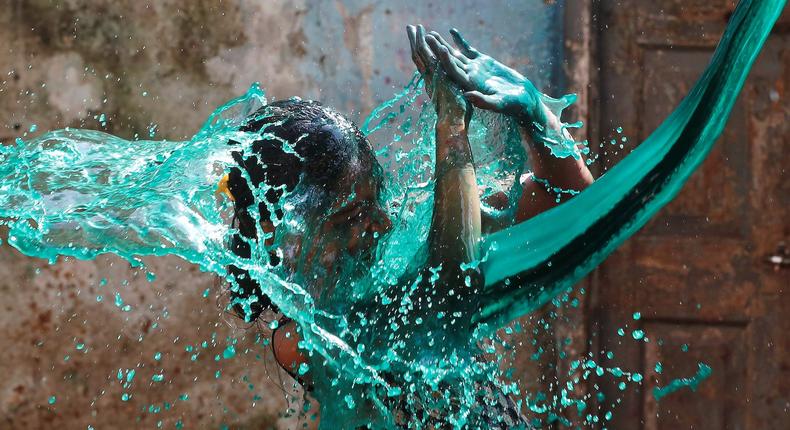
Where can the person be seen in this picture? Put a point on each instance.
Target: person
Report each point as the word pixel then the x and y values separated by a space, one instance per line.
pixel 332 171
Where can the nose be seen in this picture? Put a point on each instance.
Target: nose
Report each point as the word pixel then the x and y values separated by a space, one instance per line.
pixel 381 223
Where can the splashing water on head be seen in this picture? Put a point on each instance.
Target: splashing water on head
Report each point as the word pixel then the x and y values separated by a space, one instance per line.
pixel 378 353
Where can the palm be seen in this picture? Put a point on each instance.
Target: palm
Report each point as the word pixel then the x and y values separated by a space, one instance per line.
pixel 490 76
pixel 488 83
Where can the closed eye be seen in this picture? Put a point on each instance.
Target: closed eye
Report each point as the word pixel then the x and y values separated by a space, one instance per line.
pixel 349 213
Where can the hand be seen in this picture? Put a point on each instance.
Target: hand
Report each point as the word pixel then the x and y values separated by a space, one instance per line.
pixel 488 84
pixel 445 94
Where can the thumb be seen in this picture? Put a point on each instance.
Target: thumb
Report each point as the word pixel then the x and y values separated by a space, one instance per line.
pixel 484 101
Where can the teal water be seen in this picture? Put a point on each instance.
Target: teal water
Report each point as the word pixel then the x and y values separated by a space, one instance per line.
pixel 703 372
pixel 82 193
pixel 557 248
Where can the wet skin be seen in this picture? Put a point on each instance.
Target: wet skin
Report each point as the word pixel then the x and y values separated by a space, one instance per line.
pixel 350 228
pixel 457 78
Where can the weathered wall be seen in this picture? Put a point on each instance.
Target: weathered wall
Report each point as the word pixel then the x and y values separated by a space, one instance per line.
pixel 169 63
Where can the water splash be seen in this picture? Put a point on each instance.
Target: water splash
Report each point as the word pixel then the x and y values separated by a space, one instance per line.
pixel 530 263
pixel 82 193
pixel 703 372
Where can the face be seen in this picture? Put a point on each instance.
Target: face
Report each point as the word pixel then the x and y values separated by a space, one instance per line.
pixel 342 243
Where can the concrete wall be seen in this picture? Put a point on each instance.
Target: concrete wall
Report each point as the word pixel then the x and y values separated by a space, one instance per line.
pixel 169 63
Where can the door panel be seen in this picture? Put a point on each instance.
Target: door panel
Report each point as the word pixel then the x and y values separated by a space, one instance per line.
pixel 700 273
pixel 717 403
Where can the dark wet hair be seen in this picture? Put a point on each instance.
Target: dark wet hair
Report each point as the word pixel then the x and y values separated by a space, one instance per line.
pixel 326 145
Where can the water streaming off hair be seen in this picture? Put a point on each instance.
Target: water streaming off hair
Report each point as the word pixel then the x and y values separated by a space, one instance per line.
pixel 82 193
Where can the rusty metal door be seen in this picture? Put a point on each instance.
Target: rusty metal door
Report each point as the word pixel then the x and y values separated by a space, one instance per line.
pixel 708 274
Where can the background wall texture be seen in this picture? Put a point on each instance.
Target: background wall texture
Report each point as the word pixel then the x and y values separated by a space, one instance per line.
pixel 164 65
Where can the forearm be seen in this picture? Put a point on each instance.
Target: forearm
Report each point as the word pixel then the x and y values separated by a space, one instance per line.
pixel 455 227
pixel 569 173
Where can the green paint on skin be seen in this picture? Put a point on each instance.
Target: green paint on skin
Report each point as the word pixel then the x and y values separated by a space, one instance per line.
pixel 119 303
pixel 229 352
pixel 704 371
pixel 77 193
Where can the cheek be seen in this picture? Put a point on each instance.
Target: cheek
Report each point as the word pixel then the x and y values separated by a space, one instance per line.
pixel 360 238
pixel 353 240
pixel 329 255
pixel 291 249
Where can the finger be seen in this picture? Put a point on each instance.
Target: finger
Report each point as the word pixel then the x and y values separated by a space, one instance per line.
pixel 463 45
pixel 411 33
pixel 437 48
pixel 422 47
pixel 449 63
pixel 453 50
pixel 484 101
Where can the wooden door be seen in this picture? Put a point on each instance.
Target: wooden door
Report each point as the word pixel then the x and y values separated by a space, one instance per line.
pixel 699 273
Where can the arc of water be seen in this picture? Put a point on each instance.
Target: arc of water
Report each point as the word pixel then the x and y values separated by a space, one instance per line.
pixel 530 263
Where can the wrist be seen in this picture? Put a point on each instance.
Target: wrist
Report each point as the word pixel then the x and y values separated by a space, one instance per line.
pixel 451 107
pixel 541 125
pixel 452 113
pixel 451 130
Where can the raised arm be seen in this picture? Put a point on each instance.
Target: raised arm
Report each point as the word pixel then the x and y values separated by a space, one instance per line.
pixel 455 227
pixel 490 85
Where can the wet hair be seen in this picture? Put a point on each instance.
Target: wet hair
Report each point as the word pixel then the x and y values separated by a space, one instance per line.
pixel 327 146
